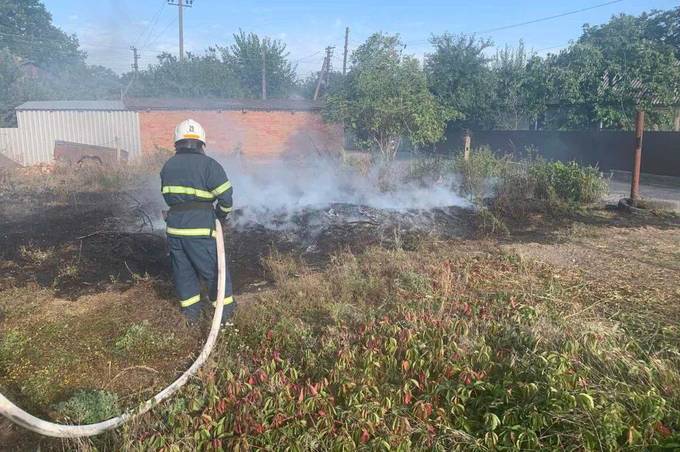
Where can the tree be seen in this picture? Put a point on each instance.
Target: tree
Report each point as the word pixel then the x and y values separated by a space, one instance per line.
pixel 38 61
pixel 206 75
pixel 246 55
pixel 459 75
pixel 637 73
pixel 613 70
pixel 27 31
pixel 385 97
pixel 511 90
pixel 664 26
pixel 307 86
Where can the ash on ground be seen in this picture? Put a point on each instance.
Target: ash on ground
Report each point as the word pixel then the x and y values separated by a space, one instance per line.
pixel 314 234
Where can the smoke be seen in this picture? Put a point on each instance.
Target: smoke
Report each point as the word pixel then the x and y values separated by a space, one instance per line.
pixel 272 194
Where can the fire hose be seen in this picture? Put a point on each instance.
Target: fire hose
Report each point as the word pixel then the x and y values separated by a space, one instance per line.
pixel 30 422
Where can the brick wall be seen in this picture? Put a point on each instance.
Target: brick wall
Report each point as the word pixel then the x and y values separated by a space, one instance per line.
pixel 257 134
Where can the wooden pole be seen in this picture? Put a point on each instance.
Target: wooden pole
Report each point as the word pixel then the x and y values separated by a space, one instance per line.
pixel 326 82
pixel 467 141
pixel 318 83
pixel 637 157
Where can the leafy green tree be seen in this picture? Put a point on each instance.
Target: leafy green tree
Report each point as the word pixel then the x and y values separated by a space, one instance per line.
pixel 636 72
pixel 610 72
pixel 206 75
pixel 246 55
pixel 307 86
pixel 26 29
pixel 10 95
pixel 664 26
pixel 539 88
pixel 511 96
pixel 385 98
pixel 460 77
pixel 30 40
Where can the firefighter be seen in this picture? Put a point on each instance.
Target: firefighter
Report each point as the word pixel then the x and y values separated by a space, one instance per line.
pixel 191 182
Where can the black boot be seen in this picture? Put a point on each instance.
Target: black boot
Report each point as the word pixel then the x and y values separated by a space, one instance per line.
pixel 192 313
pixel 228 313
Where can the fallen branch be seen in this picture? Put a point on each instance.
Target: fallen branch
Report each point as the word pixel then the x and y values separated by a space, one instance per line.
pixel 92 235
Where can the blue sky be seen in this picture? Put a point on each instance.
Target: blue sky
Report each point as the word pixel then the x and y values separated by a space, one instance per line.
pixel 107 30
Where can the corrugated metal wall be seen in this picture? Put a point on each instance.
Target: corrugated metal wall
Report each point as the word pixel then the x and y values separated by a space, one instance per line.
pixel 8 140
pixel 38 129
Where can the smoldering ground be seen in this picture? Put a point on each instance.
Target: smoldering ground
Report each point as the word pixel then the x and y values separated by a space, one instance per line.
pixel 275 194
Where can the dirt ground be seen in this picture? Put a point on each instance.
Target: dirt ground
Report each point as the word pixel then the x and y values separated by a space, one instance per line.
pixel 78 275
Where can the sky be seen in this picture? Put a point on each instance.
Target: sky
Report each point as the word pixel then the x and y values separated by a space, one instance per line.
pixel 107 28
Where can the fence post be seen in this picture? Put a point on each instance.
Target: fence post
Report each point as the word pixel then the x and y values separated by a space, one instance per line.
pixel 637 157
pixel 467 140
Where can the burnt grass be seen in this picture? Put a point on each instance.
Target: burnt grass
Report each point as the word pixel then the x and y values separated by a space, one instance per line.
pixel 100 260
pixel 75 248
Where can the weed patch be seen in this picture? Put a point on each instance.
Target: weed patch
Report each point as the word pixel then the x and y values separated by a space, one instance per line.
pixel 88 407
pixel 398 350
pixel 140 340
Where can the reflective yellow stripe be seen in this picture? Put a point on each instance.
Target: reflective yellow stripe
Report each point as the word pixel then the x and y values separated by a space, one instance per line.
pixel 195 232
pixel 180 190
pixel 222 188
pixel 225 209
pixel 189 301
pixel 227 300
pixel 191 135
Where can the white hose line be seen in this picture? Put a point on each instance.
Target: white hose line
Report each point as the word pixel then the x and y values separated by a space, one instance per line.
pixel 30 422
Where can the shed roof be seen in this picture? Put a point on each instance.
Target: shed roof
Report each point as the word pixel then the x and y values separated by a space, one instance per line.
pixel 83 105
pixel 222 104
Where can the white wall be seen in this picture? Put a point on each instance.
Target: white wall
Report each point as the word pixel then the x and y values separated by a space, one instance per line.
pixel 8 140
pixel 33 141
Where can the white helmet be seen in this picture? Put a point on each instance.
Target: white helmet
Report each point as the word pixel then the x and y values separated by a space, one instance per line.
pixel 189 130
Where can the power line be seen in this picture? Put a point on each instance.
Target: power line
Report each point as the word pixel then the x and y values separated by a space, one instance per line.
pixel 152 23
pixel 529 22
pixel 159 35
pixel 543 19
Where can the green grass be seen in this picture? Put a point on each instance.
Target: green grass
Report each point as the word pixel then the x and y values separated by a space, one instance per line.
pixel 88 407
pixel 139 339
pixel 11 345
pixel 428 350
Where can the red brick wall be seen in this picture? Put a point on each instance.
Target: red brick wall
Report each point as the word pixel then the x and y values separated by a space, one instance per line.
pixel 258 134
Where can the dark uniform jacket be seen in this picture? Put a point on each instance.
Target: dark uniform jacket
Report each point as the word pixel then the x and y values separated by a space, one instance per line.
pixel 190 183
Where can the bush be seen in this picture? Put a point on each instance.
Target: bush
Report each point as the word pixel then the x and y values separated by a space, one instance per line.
pixel 87 407
pixel 567 182
pixel 426 170
pixel 478 172
pixel 512 191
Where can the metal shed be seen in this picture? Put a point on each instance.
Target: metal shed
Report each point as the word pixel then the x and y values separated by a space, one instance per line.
pixel 40 124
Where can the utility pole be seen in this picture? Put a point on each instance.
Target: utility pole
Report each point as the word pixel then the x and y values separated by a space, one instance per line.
pixel 135 57
pixel 181 4
pixel 325 69
pixel 264 72
pixel 344 58
pixel 318 83
pixel 637 158
pixel 329 55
